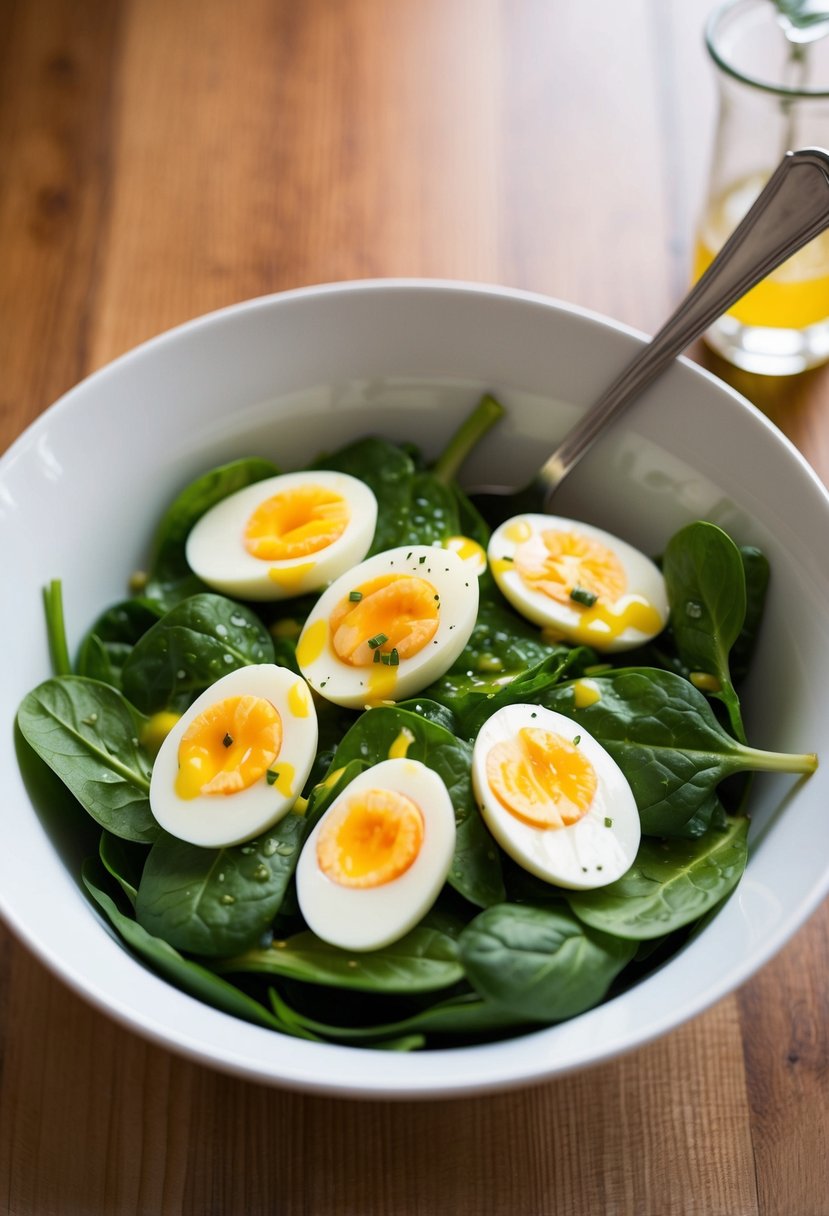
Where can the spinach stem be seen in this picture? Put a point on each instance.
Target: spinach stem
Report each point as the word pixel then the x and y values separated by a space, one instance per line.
pixel 56 628
pixel 487 412
pixel 731 702
pixel 780 762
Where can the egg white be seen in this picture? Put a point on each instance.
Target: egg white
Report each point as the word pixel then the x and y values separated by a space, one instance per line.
pixel 216 820
pixel 372 917
pixel 216 552
pixel 580 856
pixel 356 687
pixel 644 580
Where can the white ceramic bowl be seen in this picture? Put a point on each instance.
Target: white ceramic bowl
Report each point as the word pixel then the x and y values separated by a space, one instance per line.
pixel 292 374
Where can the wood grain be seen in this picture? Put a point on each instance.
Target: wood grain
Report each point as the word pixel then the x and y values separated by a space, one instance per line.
pixel 162 159
pixel 128 1128
pixel 57 82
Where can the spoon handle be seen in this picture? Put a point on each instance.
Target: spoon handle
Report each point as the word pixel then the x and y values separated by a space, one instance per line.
pixel 792 208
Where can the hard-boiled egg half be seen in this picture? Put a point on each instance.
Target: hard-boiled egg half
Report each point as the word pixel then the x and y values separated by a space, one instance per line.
pixel 553 798
pixel 237 760
pixel 389 627
pixel 283 536
pixel 586 585
pixel 376 861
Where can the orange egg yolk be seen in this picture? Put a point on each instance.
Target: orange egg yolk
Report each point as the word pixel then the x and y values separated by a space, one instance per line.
pixel 395 612
pixel 296 523
pixel 228 747
pixel 555 563
pixel 541 778
pixel 370 839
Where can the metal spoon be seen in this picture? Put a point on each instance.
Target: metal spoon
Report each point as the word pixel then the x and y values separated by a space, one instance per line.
pixel 791 210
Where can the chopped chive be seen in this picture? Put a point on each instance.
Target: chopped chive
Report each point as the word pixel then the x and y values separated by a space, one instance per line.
pixel 421 560
pixel 355 596
pixel 378 640
pixel 505 558
pixel 384 658
pixel 377 656
pixel 608 823
pixel 228 740
pixel 271 776
pixel 394 658
pixel 582 596
pixel 577 741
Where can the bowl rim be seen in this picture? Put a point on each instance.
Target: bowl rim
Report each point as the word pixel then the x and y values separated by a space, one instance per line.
pixel 494 1079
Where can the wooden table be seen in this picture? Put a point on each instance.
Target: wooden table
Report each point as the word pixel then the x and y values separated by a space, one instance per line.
pixel 161 158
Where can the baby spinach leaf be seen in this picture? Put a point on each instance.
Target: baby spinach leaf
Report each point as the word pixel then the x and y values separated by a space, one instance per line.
pixel 71 830
pixel 389 472
pixel 193 645
pixel 87 733
pixel 710 814
pixel 472 523
pixel 665 738
pixel 466 1014
pixel 670 884
pixel 495 508
pixel 170 578
pixel 501 647
pixel 476 868
pixel 422 961
pixel 183 973
pixel 756 570
pixel 284 620
pixel 219 901
pixel 432 712
pixel 706 587
pixel 433 512
pixel 540 962
pixel 526 888
pixel 527 687
pixel 502 642
pixel 284 654
pixel 107 645
pixel 414 508
pixel 124 859
pixel 333 721
pixel 406 1042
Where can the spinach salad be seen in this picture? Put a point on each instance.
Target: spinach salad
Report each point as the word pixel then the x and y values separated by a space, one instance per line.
pixel 498 948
